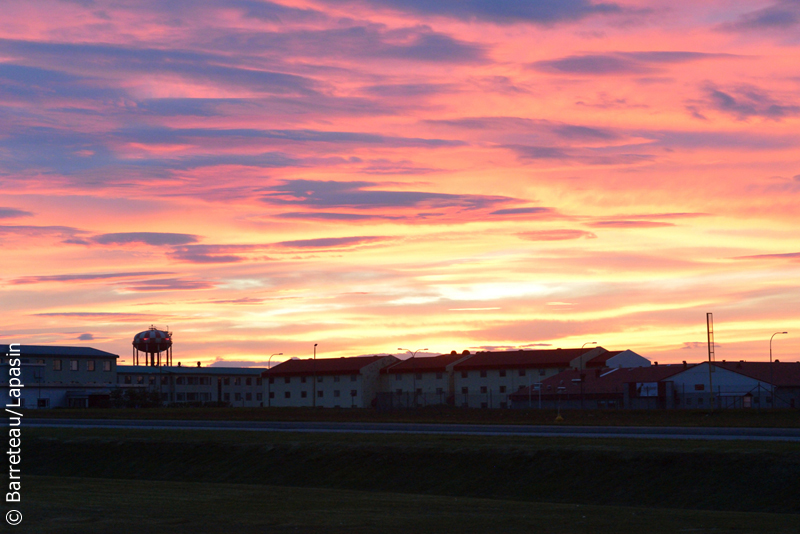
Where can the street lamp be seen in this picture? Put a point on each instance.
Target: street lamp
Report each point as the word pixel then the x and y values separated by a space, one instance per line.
pixel 270 379
pixel 413 353
pixel 772 384
pixel 581 374
pixel 314 388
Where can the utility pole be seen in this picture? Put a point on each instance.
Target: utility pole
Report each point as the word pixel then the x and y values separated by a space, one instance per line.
pixel 711 367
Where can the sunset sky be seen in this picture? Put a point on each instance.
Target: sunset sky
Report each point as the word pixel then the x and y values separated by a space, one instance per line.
pixel 374 174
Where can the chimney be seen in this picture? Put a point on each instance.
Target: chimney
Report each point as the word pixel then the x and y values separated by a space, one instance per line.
pixel 655 364
pixel 179 364
pixel 685 366
pixel 198 364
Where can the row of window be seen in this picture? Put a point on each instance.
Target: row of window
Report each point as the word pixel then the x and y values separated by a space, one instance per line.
pixel 190 380
pixel 465 374
pixel 520 372
pixel 288 379
pixel 74 365
pixel 206 397
pixel 320 394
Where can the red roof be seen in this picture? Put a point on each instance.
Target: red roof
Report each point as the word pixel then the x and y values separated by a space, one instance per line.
pixel 425 364
pixel 601 380
pixel 781 374
pixel 518 359
pixel 600 361
pixel 323 366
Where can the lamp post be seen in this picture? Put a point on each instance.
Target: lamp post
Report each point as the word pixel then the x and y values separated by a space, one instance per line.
pixel 314 389
pixel 580 374
pixel 771 382
pixel 413 353
pixel 270 379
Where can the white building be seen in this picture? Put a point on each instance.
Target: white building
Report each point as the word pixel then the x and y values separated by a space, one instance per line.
pixel 326 382
pixel 486 379
pixel 236 386
pixel 423 381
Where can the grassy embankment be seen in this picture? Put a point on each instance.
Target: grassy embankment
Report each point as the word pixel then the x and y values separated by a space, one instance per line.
pixel 103 480
pixel 689 418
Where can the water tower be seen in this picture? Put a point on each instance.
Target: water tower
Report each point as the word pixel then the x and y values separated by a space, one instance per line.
pixel 152 343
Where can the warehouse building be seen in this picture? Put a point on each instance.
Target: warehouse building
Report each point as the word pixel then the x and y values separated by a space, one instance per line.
pixel 76 377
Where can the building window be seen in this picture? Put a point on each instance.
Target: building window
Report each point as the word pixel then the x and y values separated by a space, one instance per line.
pixel 73 365
pixel 227 381
pixel 228 397
pixel 319 393
pixel 151 380
pixel 398 391
pixel 56 365
pixel 139 379
pixel 483 389
pixel 439 391
pixel 181 380
pixel 259 396
pixel 40 362
pixel 354 393
pixel 248 382
pixel 237 382
pixel 238 396
pixel 42 403
pixel 319 379
pixel 464 390
pixel 419 391
pixel 191 397
pixel 502 389
pixel 287 379
pixel 522 372
pixel 192 381
pixel 464 374
pixel 336 378
pixel 502 372
pixel 180 397
pixel 483 374
pixel 248 396
pixel 336 393
pixel 127 379
pixel 106 366
pixel 164 380
pixel 699 387
pixel 353 378
pixel 206 380
pixel 302 380
pixel 90 365
pixel 271 394
pixel 271 380
pixel 304 394
pixel 259 381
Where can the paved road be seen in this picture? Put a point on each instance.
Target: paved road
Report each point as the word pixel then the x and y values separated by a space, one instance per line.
pixel 760 434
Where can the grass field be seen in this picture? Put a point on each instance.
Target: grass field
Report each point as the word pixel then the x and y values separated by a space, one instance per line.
pixel 65 505
pixel 690 418
pixel 732 476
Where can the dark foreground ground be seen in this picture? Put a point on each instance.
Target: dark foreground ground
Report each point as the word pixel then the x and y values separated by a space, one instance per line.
pixel 110 506
pixel 239 482
pixel 723 418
